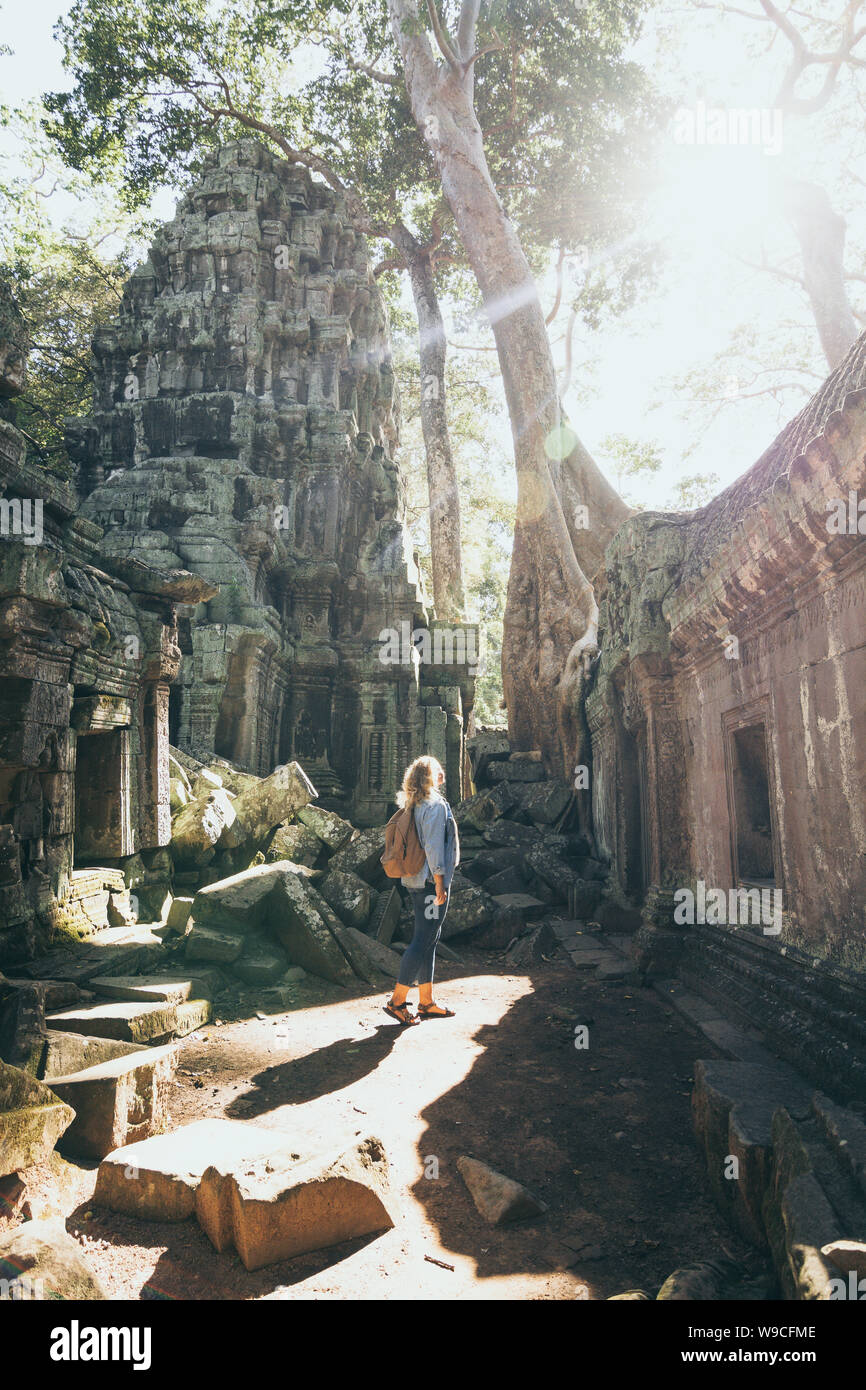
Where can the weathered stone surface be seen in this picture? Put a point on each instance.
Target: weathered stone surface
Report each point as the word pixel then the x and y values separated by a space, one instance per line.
pixel 733 1104
pixel 533 947
pixel 348 895
pixel 494 861
pixel 270 802
pixel 154 989
pixel 178 795
pixel 507 834
pixel 300 925
pixel 121 912
pixel 385 915
pixel 232 778
pixel 134 1021
pixel 46 1263
pixel 520 907
pixel 197 828
pixel 206 781
pixel 550 871
pixel 297 843
pixel 241 902
pixel 485 747
pixel 178 915
pixel 363 855
pixel 204 943
pixel 157 1178
pixel 117 1102
pixel 544 802
pixel 22 1024
pixel 271 1211
pixel 507 881
pixel 515 770
pixel 486 806
pixel 798 1217
pixel 330 828
pixel 32 1119
pixel 466 911
pixel 499 1199
pixel 707 1280
pixel 380 957
pixel 71 1052
pixel 260 963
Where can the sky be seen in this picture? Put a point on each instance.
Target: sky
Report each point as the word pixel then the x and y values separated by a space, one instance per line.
pixel 713 208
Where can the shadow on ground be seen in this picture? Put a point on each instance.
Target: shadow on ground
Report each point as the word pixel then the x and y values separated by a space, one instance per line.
pixel 602 1135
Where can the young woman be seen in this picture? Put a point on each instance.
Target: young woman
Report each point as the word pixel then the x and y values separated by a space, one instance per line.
pixel 437 831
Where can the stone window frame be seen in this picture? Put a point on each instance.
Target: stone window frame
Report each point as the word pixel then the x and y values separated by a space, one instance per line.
pixel 756 711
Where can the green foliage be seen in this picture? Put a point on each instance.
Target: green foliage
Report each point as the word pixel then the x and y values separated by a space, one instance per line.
pixel 630 458
pixel 634 458
pixel 694 491
pixel 66 281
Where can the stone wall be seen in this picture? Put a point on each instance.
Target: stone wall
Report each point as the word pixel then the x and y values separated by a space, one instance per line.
pixel 727 714
pixel 244 427
pixel 88 646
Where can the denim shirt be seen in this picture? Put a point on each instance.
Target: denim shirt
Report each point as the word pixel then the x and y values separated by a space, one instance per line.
pixel 437 831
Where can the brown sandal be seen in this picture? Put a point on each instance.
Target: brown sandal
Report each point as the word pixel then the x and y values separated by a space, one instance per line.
pixel 424 1011
pixel 401 1013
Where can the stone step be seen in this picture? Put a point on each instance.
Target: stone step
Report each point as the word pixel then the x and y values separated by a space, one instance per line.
pixel 813 1017
pixel 154 989
pixel 748 961
pixel 118 1101
pixel 797 1188
pixel 134 1021
pixel 84 882
pixel 115 950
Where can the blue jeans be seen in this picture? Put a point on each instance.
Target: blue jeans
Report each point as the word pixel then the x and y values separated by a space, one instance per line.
pixel 419 957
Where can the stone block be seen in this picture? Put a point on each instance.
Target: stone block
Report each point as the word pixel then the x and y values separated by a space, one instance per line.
pixel 331 829
pixel 499 1199
pixel 117 1102
pixel 300 925
pixel 32 1119
pixel 197 828
pixel 296 843
pixel 348 895
pixel 271 802
pixel 40 1260
pixel 271 1210
pixel 467 911
pixel 134 1021
pixel 157 1178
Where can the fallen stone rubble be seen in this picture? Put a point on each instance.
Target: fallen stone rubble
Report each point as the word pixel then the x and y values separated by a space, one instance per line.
pixel 788 1166
pixel 267 1195
pixel 259 888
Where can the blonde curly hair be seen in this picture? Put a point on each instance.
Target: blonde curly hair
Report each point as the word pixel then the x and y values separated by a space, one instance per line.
pixel 419 779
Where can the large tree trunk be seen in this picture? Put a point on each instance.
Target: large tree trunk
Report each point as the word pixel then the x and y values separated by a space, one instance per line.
pixel 446 555
pixel 821 234
pixel 551 616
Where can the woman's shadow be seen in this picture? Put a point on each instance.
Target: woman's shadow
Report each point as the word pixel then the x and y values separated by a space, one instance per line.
pixel 326 1070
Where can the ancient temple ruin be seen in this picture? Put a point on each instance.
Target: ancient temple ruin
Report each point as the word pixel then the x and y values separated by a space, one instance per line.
pixel 728 725
pixel 231 568
pixel 244 428
pixel 88 648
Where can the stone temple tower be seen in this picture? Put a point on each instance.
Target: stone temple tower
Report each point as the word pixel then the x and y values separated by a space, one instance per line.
pixel 244 428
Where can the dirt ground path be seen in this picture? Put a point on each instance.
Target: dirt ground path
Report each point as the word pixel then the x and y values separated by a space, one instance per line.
pixel 602 1135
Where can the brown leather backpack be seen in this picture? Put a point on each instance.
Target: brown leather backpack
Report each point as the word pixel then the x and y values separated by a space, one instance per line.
pixel 404 854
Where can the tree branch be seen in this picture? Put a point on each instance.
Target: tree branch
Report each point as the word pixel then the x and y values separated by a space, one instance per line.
pixel 442 38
